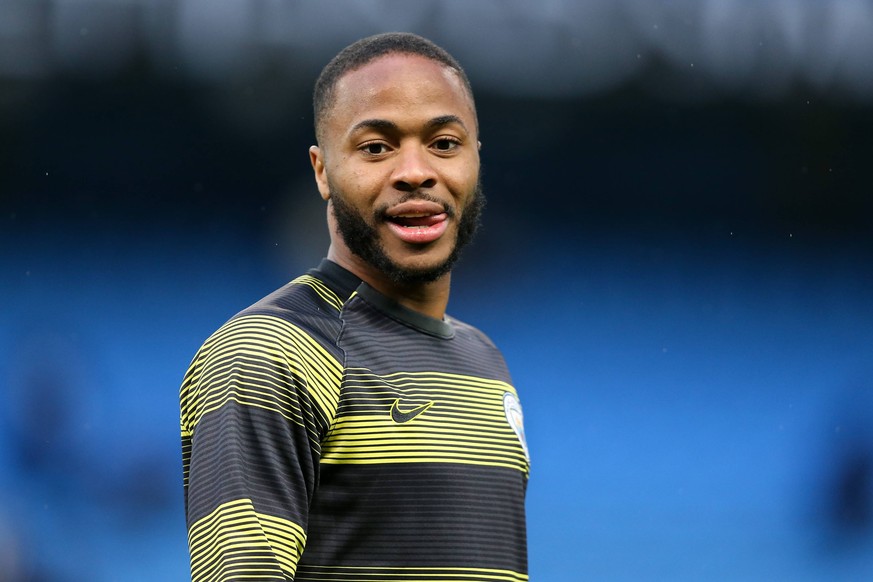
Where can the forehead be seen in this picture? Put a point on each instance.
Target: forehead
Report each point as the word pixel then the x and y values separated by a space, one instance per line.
pixel 395 87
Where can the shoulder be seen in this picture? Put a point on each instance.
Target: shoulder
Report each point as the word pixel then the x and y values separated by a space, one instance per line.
pixel 480 355
pixel 468 333
pixel 271 352
pixel 298 321
pixel 300 301
pixel 305 305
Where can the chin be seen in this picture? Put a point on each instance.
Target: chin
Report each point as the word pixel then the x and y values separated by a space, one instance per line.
pixel 422 267
pixel 417 270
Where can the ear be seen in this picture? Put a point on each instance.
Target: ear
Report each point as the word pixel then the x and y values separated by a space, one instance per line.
pixel 316 157
pixel 479 144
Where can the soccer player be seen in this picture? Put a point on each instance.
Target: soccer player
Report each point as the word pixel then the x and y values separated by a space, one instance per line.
pixel 344 427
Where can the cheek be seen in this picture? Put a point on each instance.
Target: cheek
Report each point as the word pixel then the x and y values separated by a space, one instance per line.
pixel 359 181
pixel 464 185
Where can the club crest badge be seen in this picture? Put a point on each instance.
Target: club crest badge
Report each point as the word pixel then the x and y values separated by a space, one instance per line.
pixel 515 418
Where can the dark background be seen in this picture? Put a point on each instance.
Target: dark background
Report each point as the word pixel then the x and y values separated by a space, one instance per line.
pixel 676 261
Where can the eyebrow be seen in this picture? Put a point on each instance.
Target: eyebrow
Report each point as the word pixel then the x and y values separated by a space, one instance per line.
pixel 385 125
pixel 445 120
pixel 382 124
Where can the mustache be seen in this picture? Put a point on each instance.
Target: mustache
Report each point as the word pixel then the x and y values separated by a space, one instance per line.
pixel 380 212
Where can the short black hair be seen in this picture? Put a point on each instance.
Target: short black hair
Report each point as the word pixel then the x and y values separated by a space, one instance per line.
pixel 366 50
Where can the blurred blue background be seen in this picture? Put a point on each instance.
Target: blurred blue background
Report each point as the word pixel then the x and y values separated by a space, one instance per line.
pixel 676 261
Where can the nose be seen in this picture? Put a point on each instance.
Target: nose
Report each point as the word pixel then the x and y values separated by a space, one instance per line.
pixel 413 170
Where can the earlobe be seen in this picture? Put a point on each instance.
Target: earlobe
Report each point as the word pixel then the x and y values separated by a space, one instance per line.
pixel 316 158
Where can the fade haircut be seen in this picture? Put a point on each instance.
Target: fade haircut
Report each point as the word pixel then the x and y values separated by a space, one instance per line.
pixel 366 50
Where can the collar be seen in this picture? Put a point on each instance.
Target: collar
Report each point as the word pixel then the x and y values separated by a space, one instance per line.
pixel 341 281
pixel 347 283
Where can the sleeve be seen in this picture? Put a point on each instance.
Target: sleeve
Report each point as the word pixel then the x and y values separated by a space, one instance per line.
pixel 255 403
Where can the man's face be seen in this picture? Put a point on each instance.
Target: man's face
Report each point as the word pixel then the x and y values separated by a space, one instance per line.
pixel 399 161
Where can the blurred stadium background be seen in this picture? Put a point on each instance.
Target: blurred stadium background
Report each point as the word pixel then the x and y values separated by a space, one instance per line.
pixel 676 259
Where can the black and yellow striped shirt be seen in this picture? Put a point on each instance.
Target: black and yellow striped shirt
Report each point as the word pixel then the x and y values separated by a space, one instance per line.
pixel 330 434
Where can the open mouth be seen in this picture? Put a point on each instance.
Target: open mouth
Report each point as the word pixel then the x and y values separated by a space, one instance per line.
pixel 417 221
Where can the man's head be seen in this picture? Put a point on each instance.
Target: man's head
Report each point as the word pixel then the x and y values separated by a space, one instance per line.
pixel 368 49
pixel 398 159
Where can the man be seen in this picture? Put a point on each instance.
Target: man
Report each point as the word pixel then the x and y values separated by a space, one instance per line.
pixel 344 427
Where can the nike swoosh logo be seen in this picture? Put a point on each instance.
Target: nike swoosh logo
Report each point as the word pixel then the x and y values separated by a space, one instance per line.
pixel 400 416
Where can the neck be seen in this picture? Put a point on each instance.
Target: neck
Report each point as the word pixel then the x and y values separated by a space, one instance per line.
pixel 430 299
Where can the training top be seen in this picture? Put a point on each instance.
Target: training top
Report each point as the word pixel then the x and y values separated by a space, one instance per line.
pixel 331 434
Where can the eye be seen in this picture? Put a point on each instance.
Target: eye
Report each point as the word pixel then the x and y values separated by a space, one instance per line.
pixel 374 148
pixel 445 144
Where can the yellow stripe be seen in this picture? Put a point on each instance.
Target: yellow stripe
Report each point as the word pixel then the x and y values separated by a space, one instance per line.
pixel 323 290
pixel 453 460
pixel 379 427
pixel 439 377
pixel 255 542
pixel 257 361
pixel 273 339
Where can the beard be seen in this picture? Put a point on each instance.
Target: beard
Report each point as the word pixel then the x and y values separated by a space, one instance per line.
pixel 362 238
